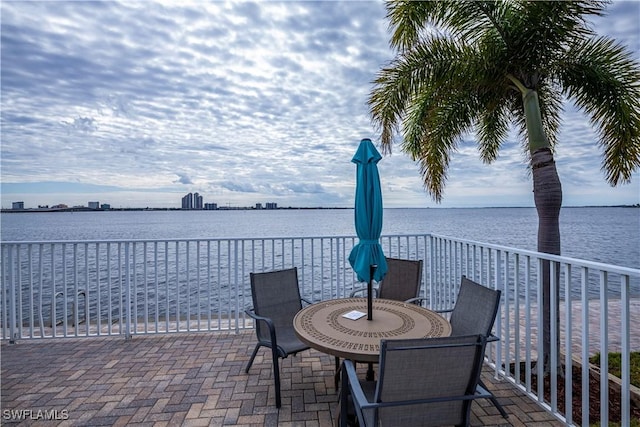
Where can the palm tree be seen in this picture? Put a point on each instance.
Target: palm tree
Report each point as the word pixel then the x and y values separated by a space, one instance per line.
pixel 464 66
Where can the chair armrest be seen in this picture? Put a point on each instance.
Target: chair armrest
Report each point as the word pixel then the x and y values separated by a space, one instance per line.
pixel 272 329
pixel 251 313
pixel 417 300
pixel 350 382
pixel 359 290
pixel 444 311
pixel 306 301
pixel 492 338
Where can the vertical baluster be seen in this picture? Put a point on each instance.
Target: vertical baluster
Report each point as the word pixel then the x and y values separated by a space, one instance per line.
pixel 625 325
pixel 585 344
pixel 604 348
pixel 568 350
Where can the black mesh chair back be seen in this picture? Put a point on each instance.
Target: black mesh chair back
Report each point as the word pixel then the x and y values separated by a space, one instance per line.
pixel 275 295
pixel 402 281
pixel 475 309
pixel 422 382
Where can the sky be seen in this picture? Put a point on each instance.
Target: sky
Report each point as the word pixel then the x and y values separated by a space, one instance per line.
pixel 138 103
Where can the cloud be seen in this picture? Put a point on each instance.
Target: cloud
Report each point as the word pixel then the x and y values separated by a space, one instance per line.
pixel 249 101
pixel 239 187
pixel 184 179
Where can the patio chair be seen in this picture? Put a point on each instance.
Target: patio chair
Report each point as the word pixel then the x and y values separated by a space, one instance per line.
pixel 276 300
pixel 402 281
pixel 422 382
pixel 475 312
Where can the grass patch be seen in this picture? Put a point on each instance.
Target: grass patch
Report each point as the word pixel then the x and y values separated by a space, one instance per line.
pixel 615 365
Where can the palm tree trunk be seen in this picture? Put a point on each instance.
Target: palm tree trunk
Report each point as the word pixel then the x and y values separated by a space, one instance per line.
pixel 547 193
pixel 548 200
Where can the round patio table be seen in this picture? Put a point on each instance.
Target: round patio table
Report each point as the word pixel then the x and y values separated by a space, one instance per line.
pixel 324 327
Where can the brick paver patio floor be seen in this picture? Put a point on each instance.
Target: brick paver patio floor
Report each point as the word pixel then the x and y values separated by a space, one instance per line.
pixel 188 379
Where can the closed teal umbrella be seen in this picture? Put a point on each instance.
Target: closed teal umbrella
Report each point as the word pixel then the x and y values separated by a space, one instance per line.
pixel 367 257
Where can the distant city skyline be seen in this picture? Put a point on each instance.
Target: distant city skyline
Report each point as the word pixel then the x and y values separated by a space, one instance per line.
pixel 20 205
pixel 190 201
pixel 139 103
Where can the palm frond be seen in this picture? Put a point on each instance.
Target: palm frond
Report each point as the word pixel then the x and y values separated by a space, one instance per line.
pixel 397 85
pixel 516 109
pixel 431 154
pixel 535 34
pixel 413 21
pixel 493 127
pixel 604 81
pixel 544 27
pixel 432 132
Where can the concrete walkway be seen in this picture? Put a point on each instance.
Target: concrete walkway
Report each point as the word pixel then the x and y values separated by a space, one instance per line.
pixel 189 379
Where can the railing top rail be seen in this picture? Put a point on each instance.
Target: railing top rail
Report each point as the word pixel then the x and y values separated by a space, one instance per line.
pixel 201 239
pixel 198 239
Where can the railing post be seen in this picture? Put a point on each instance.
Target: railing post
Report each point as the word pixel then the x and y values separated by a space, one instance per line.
pixel 540 329
pixel 584 284
pixel 554 329
pixel 568 353
pixel 127 282
pixel 625 324
pixel 498 266
pixel 237 281
pixel 604 348
pixel 13 317
pixel 432 272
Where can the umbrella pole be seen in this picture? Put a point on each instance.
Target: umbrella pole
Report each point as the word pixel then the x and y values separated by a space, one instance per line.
pixel 372 269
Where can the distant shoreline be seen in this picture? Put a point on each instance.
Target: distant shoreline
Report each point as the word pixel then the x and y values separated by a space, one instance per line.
pixel 86 209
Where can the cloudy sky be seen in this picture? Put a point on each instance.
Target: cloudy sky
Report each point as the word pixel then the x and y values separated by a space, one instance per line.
pixel 137 103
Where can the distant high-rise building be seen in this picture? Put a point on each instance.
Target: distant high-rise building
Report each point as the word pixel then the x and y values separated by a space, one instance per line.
pixel 258 206
pixel 187 201
pixel 17 205
pixel 197 201
pixel 210 206
pixel 94 205
pixel 272 205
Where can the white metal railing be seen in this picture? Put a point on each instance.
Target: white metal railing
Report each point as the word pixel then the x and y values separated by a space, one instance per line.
pixel 595 305
pixel 94 288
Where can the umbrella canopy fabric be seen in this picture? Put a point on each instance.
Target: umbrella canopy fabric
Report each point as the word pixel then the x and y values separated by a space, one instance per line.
pixel 368 215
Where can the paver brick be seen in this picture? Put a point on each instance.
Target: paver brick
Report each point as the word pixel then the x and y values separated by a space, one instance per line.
pixel 195 379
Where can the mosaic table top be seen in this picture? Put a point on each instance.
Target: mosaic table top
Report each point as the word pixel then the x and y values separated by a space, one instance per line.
pixel 325 327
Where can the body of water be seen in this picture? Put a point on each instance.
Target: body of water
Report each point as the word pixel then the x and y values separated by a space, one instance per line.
pixel 175 279
pixel 603 234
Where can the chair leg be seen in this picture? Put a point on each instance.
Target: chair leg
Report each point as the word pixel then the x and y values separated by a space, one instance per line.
pixel 253 356
pixel 336 375
pixel 344 402
pixel 276 375
pixel 495 402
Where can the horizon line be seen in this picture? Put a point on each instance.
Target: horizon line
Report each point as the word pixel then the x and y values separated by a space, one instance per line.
pixel 253 208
